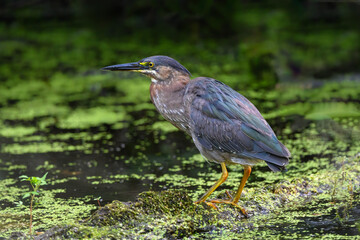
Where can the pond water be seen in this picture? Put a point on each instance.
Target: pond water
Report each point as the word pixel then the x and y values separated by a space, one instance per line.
pixel 99 137
pixel 111 167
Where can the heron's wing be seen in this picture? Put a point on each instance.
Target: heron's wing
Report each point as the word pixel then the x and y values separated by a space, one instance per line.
pixel 224 120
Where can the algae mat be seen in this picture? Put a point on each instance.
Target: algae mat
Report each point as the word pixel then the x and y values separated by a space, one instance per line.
pixel 100 138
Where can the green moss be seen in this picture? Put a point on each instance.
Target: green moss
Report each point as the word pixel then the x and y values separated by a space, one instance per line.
pixel 172 214
pixel 293 109
pixel 85 118
pixel 333 110
pixel 30 109
pixel 18 131
pixel 165 127
pixel 46 166
pixel 43 147
pixel 65 104
pixel 49 211
pixel 280 197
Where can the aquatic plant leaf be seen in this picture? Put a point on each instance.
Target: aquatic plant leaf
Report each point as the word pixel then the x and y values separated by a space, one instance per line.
pixel 26 195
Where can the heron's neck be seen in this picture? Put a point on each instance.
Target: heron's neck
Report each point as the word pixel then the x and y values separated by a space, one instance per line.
pixel 169 94
pixel 168 100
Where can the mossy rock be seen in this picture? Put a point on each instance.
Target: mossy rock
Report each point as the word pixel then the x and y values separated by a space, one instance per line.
pixel 112 214
pixel 171 214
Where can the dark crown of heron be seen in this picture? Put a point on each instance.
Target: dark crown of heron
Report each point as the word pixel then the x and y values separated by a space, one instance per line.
pixel 162 69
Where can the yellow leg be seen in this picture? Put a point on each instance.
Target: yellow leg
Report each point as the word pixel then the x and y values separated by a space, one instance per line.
pixel 234 201
pixel 222 179
pixel 247 172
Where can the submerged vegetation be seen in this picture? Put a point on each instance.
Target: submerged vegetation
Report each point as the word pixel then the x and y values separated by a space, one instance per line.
pixel 99 135
pixel 275 209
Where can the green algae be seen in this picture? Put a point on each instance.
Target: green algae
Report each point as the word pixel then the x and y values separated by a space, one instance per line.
pixel 259 197
pixel 43 147
pixel 76 110
pixel 333 110
pixel 172 214
pixel 85 118
pixel 30 109
pixel 9 192
pixel 288 110
pixel 26 143
pixel 19 131
pixel 50 210
pixel 317 111
pixel 84 136
pixel 326 91
pixel 11 168
pixel 165 127
pixel 46 166
pixel 294 193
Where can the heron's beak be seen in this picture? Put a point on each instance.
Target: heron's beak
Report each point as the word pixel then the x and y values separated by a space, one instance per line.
pixel 134 66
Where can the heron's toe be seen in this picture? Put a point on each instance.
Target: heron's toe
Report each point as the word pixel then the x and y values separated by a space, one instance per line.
pixel 229 202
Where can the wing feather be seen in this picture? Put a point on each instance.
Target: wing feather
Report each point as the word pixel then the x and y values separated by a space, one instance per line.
pixel 222 119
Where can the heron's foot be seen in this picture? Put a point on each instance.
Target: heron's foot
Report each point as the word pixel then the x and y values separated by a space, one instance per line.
pixel 210 204
pixel 229 195
pixel 213 201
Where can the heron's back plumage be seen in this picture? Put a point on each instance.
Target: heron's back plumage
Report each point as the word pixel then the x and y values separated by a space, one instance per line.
pixel 224 124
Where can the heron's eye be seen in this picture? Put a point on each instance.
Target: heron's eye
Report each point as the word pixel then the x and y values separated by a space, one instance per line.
pixel 151 64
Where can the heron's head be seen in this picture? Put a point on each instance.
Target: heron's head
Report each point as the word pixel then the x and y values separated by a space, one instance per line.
pixel 158 68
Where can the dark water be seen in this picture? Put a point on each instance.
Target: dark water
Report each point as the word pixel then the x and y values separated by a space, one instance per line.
pixel 102 161
pixel 120 163
pixel 340 224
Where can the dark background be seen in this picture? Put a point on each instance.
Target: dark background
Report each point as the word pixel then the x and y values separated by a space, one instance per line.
pixel 99 137
pixel 264 41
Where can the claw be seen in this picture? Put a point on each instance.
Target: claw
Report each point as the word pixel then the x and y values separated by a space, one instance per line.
pixel 229 195
pixel 232 200
pixel 210 204
pixel 232 203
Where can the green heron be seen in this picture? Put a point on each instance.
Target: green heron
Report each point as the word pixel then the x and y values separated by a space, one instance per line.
pixel 225 126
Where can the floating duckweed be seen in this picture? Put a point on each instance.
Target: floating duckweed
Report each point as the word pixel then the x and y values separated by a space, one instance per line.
pixel 163 126
pixel 31 109
pixel 18 131
pixel 85 118
pixel 96 114
pixel 43 147
pixel 280 207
